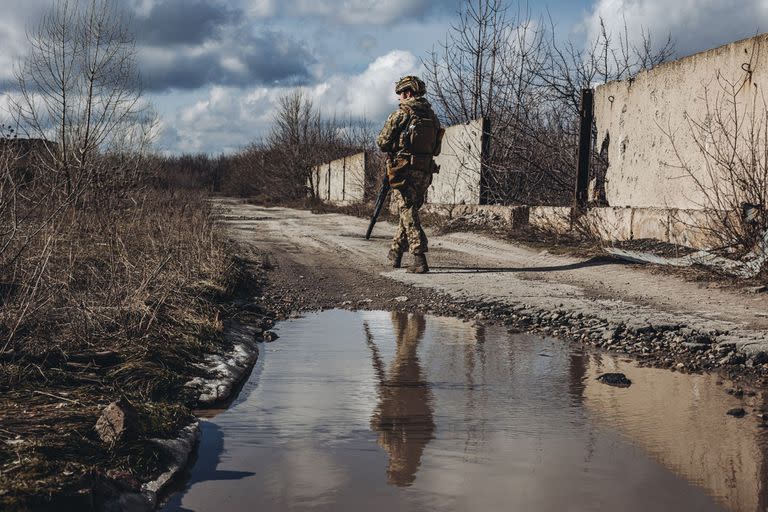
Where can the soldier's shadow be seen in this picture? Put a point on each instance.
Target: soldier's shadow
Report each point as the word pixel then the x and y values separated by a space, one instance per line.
pixel 591 262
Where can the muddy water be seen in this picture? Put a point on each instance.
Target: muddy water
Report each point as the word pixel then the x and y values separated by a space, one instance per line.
pixel 378 411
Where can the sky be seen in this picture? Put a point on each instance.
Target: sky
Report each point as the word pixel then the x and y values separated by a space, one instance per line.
pixel 214 69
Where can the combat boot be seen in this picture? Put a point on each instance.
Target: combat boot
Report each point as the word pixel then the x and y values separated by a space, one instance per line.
pixel 395 257
pixel 419 265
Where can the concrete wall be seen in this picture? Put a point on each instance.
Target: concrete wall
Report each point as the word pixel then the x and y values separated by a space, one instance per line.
pixel 650 124
pixel 341 181
pixel 458 181
pixel 684 227
pixel 681 227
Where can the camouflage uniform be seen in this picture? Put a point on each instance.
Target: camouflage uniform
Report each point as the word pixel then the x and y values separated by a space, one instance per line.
pixel 409 196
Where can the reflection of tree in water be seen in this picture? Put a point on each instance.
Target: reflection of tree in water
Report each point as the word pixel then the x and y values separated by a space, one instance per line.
pixel 403 418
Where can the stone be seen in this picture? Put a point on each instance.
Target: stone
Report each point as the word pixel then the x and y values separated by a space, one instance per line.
pixel 694 346
pixel 733 358
pixel 702 339
pixel 760 358
pixel 615 379
pixel 118 422
pixel 737 412
pixel 270 336
pixel 401 298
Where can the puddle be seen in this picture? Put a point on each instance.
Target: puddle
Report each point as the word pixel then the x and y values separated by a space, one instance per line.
pixel 381 411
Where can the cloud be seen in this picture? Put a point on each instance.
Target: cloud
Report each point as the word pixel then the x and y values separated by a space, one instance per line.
pixel 224 120
pixel 188 44
pixel 181 21
pixel 695 25
pixel 229 118
pixel 351 12
pixel 242 57
pixel 183 45
pixel 13 39
pixel 369 94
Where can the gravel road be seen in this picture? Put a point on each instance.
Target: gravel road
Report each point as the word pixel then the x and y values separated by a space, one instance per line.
pixel 323 261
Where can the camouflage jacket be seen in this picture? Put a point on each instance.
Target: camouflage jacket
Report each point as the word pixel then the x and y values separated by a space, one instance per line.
pixel 390 137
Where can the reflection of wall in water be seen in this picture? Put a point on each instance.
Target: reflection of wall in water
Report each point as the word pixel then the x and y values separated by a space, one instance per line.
pixel 680 420
pixel 460 348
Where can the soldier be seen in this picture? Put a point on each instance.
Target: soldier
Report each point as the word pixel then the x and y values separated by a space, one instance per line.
pixel 411 137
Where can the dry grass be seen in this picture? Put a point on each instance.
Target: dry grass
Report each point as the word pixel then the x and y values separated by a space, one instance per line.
pixel 117 278
pixel 118 296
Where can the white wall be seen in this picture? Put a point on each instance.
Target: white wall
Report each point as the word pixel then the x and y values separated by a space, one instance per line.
pixel 458 181
pixel 342 180
pixel 651 123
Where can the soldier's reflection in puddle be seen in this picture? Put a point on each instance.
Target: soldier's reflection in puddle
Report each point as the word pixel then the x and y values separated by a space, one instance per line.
pixel 403 417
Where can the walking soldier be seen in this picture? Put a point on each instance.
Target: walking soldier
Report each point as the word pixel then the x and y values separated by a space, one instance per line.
pixel 411 136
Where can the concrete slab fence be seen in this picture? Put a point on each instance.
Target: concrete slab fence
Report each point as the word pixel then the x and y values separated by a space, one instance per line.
pixel 341 181
pixel 659 126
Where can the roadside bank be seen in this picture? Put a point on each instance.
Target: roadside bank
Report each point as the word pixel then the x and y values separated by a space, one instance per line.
pixel 113 428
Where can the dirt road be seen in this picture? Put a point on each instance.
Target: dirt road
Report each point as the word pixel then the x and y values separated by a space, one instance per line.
pixel 325 259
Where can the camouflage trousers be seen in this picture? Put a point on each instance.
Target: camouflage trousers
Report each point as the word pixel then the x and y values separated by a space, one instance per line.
pixel 409 198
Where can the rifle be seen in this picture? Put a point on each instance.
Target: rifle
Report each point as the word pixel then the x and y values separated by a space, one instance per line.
pixel 383 191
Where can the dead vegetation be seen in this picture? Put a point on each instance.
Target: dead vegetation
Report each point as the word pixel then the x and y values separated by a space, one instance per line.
pixel 117 301
pixel 110 300
pixel 729 164
pixel 499 63
pixel 111 286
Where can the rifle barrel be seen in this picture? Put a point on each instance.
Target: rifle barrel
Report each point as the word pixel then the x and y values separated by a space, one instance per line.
pixel 377 209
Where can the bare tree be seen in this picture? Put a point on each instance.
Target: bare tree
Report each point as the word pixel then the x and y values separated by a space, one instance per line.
pixel 499 64
pixel 78 87
pixel 11 199
pixel 729 162
pixel 487 67
pixel 566 70
pixel 302 138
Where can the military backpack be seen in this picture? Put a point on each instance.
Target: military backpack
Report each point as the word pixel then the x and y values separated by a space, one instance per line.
pixel 422 136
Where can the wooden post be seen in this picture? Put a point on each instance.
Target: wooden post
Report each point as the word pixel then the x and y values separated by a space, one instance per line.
pixel 585 145
pixel 485 155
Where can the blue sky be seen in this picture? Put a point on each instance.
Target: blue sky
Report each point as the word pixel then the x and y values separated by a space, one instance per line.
pixel 214 68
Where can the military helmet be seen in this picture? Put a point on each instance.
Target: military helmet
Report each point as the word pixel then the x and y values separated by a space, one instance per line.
pixel 413 83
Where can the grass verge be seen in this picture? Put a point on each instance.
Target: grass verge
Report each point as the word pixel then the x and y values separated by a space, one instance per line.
pixel 122 301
